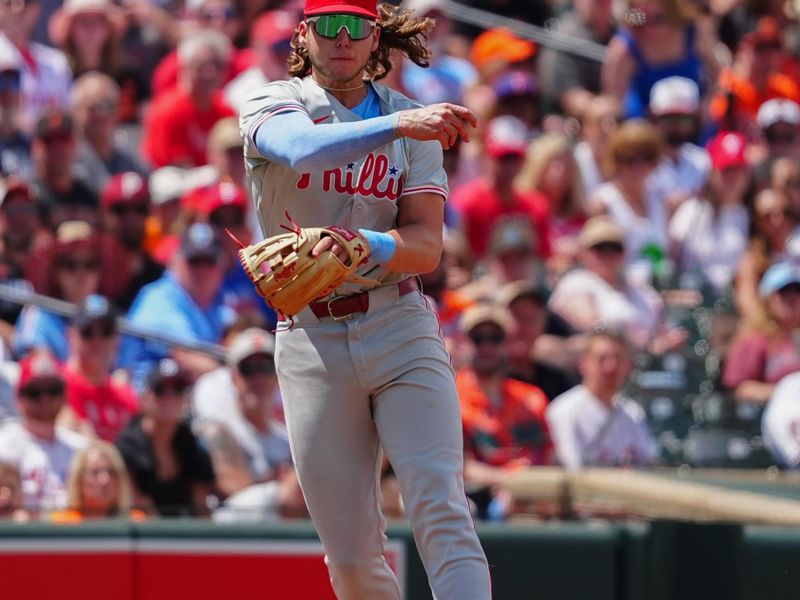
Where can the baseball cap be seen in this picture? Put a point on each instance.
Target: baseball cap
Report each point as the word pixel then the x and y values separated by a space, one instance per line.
pixel 505 135
pixel 511 235
pixel 478 314
pixel 777 277
pixel 54 123
pixel 18 188
pixel 124 188
pixel 200 240
pixel 167 370
pixel 75 232
pixel 248 343
pixel 499 46
pixel 273 27
pixel 171 183
pixel 600 229
pixel 515 83
pixel 224 193
pixel 727 150
pixel 38 366
pixel 778 110
pixel 523 288
pixel 95 308
pixel 674 96
pixel 363 8
pixel 225 135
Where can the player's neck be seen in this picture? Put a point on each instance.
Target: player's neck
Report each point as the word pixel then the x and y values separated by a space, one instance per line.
pixel 349 93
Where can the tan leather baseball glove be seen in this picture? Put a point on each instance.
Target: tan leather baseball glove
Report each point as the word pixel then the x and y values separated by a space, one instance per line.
pixel 289 278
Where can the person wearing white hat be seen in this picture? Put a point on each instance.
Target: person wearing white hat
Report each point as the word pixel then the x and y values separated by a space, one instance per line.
pixel 675 110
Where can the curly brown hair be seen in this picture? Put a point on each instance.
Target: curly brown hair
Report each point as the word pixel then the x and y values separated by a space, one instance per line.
pixel 400 30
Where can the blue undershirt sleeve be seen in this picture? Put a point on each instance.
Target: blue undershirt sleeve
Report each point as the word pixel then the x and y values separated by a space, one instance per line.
pixel 292 139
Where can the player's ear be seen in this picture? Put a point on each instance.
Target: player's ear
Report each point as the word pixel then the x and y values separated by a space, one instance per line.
pixel 376 37
pixel 302 33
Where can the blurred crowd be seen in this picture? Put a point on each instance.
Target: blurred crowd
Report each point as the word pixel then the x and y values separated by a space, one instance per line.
pixel 622 234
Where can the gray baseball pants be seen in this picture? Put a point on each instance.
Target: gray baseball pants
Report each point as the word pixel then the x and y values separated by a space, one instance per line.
pixel 381 378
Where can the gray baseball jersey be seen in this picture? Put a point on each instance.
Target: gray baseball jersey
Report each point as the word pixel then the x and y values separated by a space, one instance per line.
pixel 359 195
pixel 376 379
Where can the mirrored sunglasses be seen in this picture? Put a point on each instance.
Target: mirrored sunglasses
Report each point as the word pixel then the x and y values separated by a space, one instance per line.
pixel 329 26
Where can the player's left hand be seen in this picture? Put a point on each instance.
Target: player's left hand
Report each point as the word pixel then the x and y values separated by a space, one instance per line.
pixel 329 244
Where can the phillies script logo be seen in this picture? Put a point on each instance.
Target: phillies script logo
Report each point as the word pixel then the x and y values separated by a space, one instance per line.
pixel 376 179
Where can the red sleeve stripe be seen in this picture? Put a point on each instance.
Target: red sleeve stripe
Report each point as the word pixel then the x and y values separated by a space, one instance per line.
pixel 425 189
pixel 283 108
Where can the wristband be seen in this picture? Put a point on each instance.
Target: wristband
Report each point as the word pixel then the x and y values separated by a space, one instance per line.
pixel 382 246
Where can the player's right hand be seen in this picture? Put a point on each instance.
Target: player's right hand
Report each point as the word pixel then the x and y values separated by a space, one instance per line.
pixel 442 122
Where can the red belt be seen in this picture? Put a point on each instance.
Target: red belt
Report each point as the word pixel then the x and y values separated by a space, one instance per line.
pixel 341 308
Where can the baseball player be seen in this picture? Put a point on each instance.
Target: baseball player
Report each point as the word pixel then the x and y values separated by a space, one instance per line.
pixel 361 369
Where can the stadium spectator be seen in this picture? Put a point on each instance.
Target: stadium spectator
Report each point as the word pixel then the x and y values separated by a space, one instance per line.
pixel 755 76
pixel 517 94
pixel 225 152
pixel 79 262
pixel 708 233
pixel 217 16
pixel 771 225
pixel 15 146
pixel 270 37
pixel 170 470
pixel 98 487
pixel 61 195
pixel 11 494
pixel 633 152
pixel 235 408
pixel 598 123
pixel 45 74
pixel 766 348
pixel 496 50
pixel 780 423
pixel 100 404
pixel 101 151
pixel 125 207
pixel 683 172
pixel 657 39
pixel 89 32
pixel 167 186
pixel 601 292
pixel 572 82
pixel 22 234
pixel 493 197
pixel 784 178
pixel 179 120
pixel 39 448
pixel 779 120
pixel 503 419
pixel 551 170
pixel 542 347
pixel 186 302
pixel 511 257
pixel 594 424
pixel 448 76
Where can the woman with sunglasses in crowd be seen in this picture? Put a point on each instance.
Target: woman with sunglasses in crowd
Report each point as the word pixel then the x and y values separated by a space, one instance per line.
pixel 772 223
pixel 171 472
pixel 766 348
pixel 98 487
pixel 633 152
pixel 79 262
